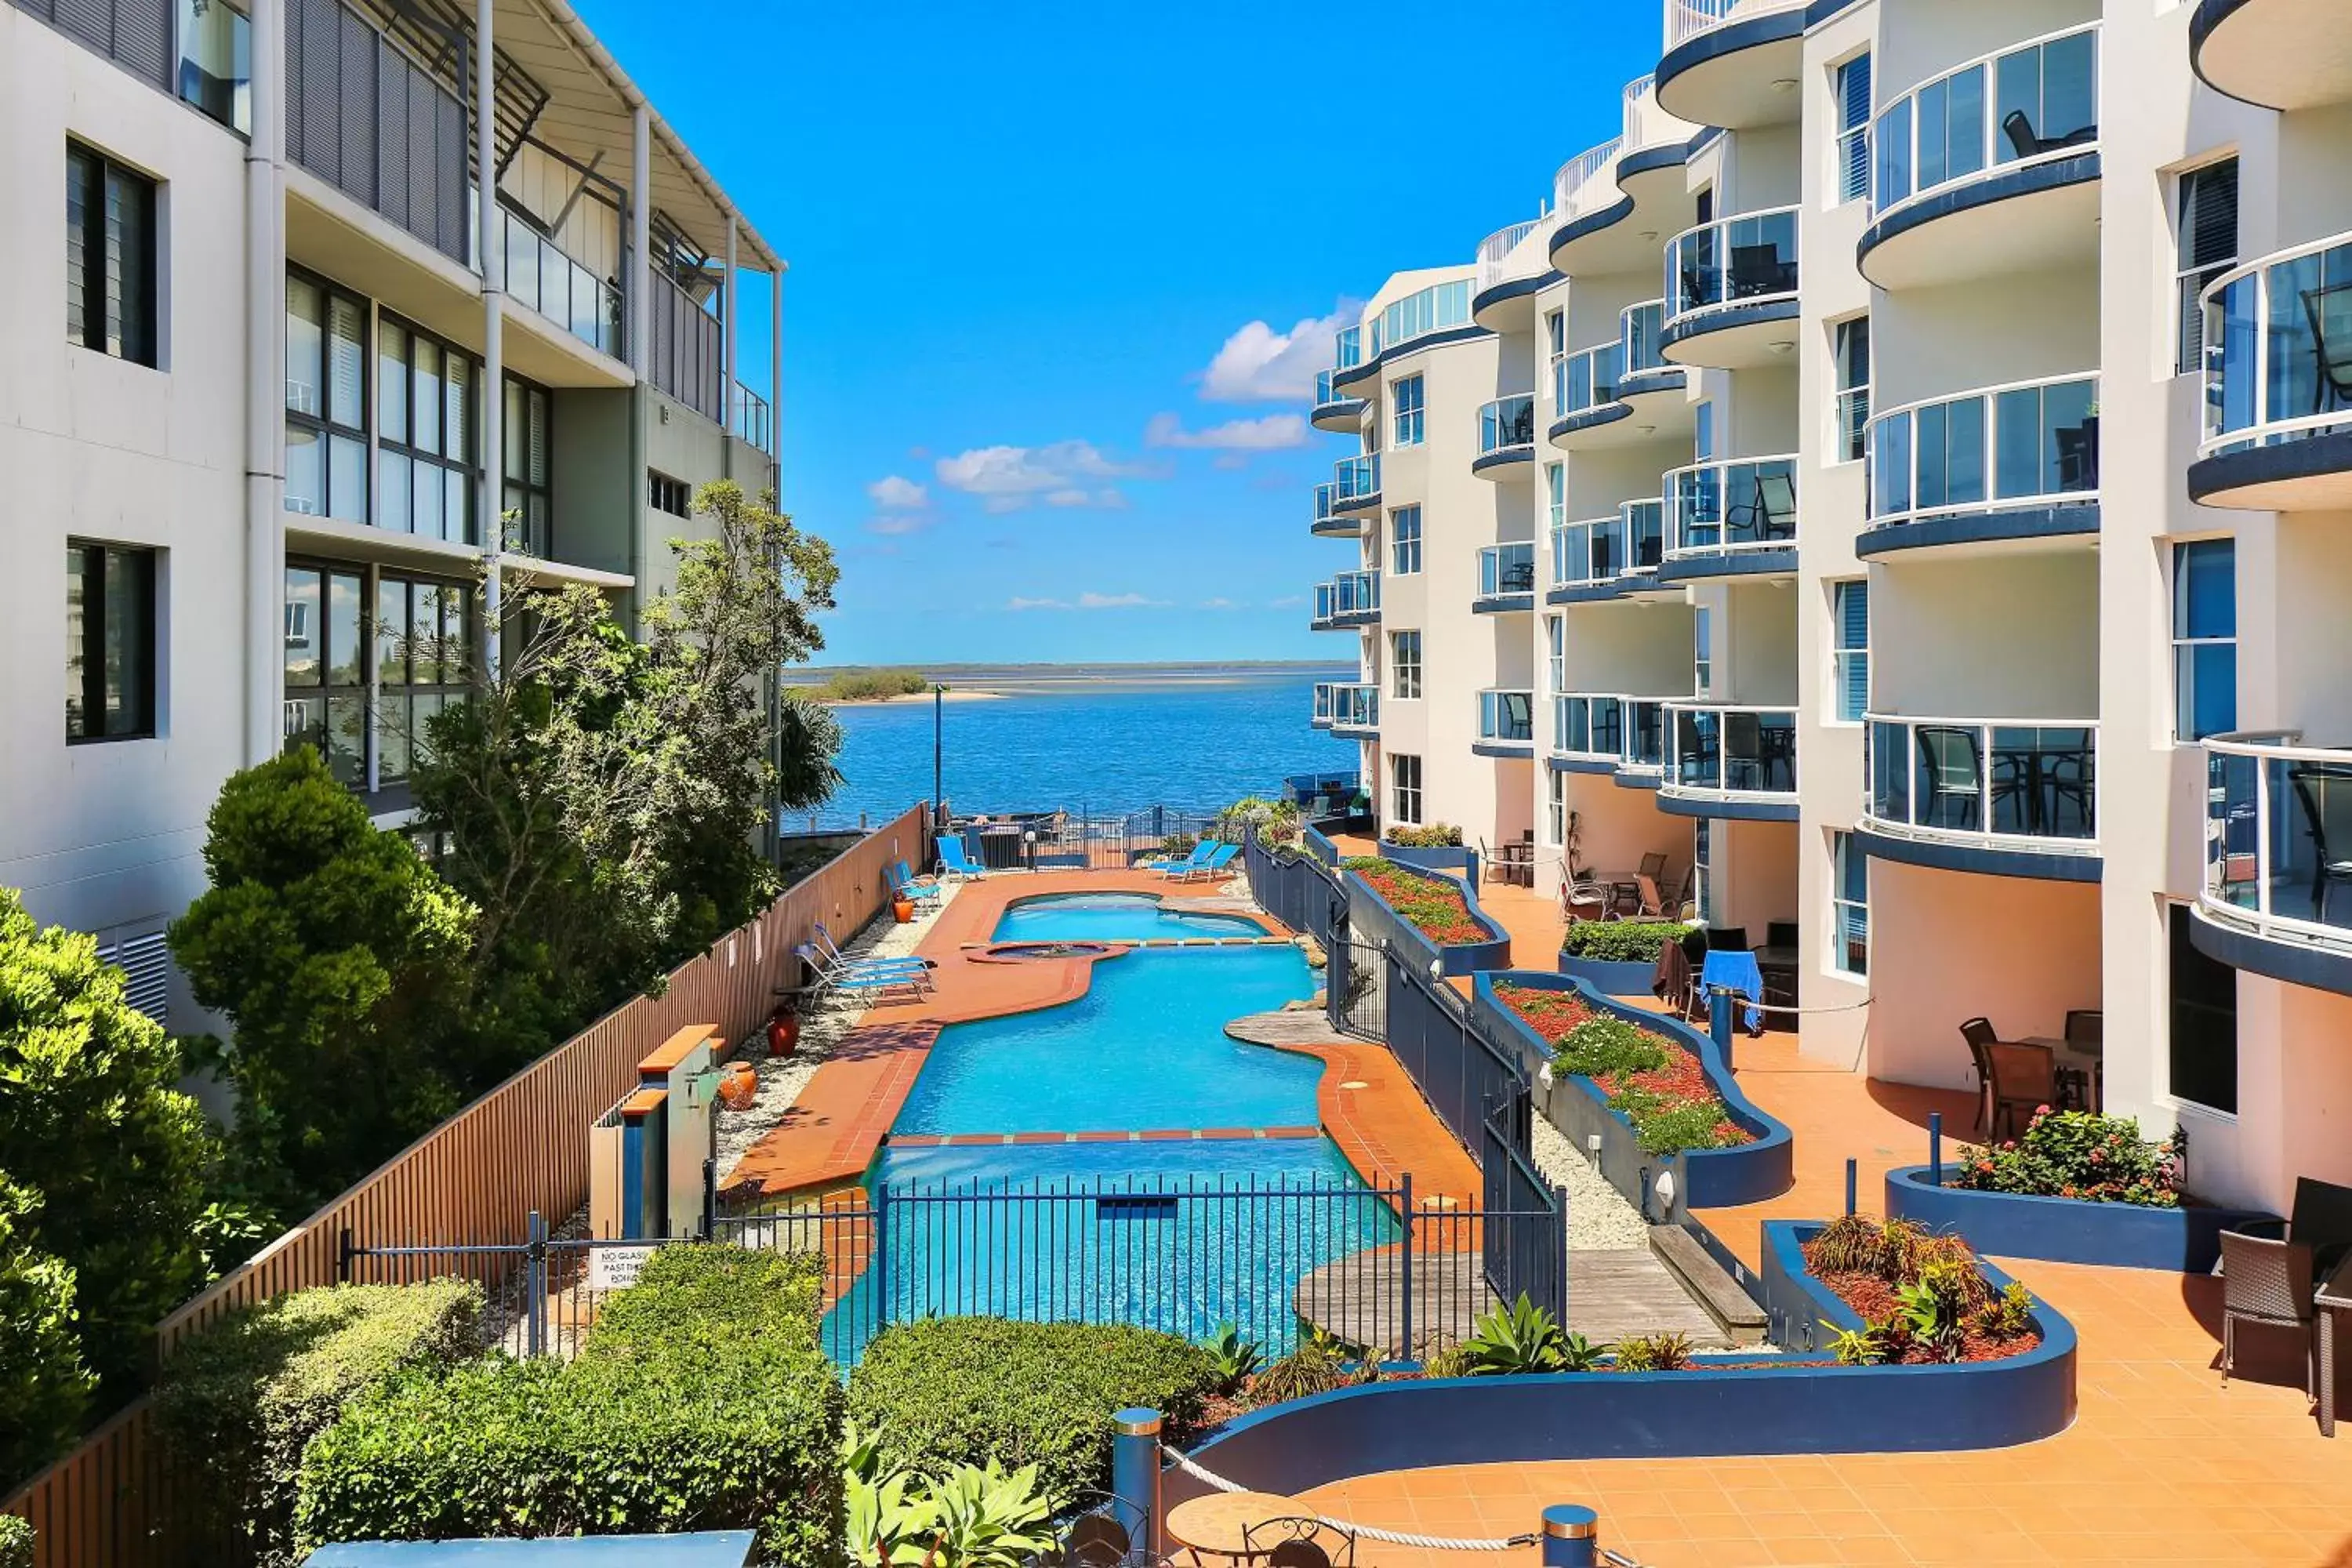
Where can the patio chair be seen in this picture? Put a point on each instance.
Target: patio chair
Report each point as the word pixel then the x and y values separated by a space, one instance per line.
pixel 1981 1038
pixel 1094 1538
pixel 836 981
pixel 2329 310
pixel 955 861
pixel 1952 769
pixel 2021 1077
pixel 1776 498
pixel 1212 865
pixel 904 885
pixel 1759 269
pixel 1519 577
pixel 2311 782
pixel 839 959
pixel 1581 897
pixel 2267 1283
pixel 1297 1542
pixel 1201 853
pixel 1654 865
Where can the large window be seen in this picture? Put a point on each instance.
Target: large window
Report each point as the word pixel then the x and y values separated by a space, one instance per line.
pixel 1404 774
pixel 109 642
pixel 1404 664
pixel 425 433
pixel 1850 901
pixel 326 401
pixel 1556 336
pixel 370 655
pixel 2206 245
pixel 1556 654
pixel 1702 650
pixel 1851 340
pixel 1554 807
pixel 666 494
pixel 1850 613
pixel 110 265
pixel 216 61
pixel 1404 541
pixel 1853 129
pixel 422 654
pixel 2204 1017
pixel 1556 501
pixel 2204 638
pixel 326 667
pixel 1405 399
pixel 530 508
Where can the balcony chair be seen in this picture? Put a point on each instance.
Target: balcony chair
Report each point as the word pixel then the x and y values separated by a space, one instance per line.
pixel 2078 455
pixel 1743 752
pixel 2311 782
pixel 1981 1038
pixel 2011 1075
pixel 2267 1282
pixel 1696 287
pixel 1759 269
pixel 955 861
pixel 1953 769
pixel 2019 129
pixel 1517 579
pixel 2329 310
pixel 2086 1030
pixel 1653 864
pixel 1581 898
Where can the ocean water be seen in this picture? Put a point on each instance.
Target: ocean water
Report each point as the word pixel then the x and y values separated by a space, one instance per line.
pixel 1111 917
pixel 1101 747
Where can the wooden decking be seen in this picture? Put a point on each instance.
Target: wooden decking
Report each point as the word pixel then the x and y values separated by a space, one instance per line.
pixel 1611 1295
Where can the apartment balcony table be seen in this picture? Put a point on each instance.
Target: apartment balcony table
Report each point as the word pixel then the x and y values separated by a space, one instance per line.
pixel 2334 1299
pixel 1219 1523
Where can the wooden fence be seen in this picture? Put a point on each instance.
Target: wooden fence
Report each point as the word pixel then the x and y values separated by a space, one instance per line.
pixel 522 1147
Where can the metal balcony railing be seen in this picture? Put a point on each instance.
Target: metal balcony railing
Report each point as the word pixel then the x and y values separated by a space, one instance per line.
pixel 2278 816
pixel 1507 717
pixel 2028 782
pixel 1747 504
pixel 1605 549
pixel 2028 102
pixel 1720 750
pixel 1505 423
pixel 1611 726
pixel 1507 569
pixel 1750 259
pixel 2278 348
pixel 2032 443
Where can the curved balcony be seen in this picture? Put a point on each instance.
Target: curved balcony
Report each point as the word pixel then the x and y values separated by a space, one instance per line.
pixel 1349 601
pixel 1506 439
pixel 1731 293
pixel 1323 690
pixel 1503 293
pixel 2280 54
pixel 1507 723
pixel 1607 557
pixel 1733 63
pixel 1989 169
pixel 1422 319
pixel 1609 732
pixel 2278 816
pixel 2016 797
pixel 1507 580
pixel 1334 411
pixel 2007 463
pixel 1332 523
pixel 1584 392
pixel 1356 485
pixel 1731 520
pixel 1729 762
pixel 1354 707
pixel 2278 382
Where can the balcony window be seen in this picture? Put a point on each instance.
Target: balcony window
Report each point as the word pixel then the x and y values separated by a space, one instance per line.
pixel 2279 348
pixel 1592 378
pixel 2008 445
pixel 1359 478
pixel 2204 638
pixel 1347 348
pixel 1734 751
pixel 1851 350
pixel 1404 777
pixel 1732 506
pixel 2038 99
pixel 1431 309
pixel 1852 178
pixel 1404 541
pixel 540 274
pixel 217 61
pixel 1505 422
pixel 1505 569
pixel 1555 340
pixel 1849 906
pixel 2029 781
pixel 2278 816
pixel 1556 653
pixel 1405 399
pixel 1506 716
pixel 1702 650
pixel 326 667
pixel 2205 246
pixel 1554 808
pixel 110 643
pixel 1405 665
pixel 1738 259
pixel 425 421
pixel 326 401
pixel 1638 328
pixel 2204 1015
pixel 1849 664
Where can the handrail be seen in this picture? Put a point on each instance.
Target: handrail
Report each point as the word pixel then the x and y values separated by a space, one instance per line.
pixel 1639 88
pixel 1585 166
pixel 1886 472
pixel 1424 311
pixel 1686 768
pixel 1495 714
pixel 1686 19
pixel 1495 579
pixel 1698 279
pixel 1356 477
pixel 1977 793
pixel 1496 249
pixel 1885 169
pixel 2260 812
pixel 1507 422
pixel 1355 705
pixel 1625 708
pixel 1577 380
pixel 1688 495
pixel 1622 527
pixel 2222 323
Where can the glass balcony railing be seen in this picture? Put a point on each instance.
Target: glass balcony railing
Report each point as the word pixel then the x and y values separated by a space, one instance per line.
pixel 1325 393
pixel 1323 690
pixel 1325 497
pixel 1355 707
pixel 1505 422
pixel 2033 100
pixel 1638 327
pixel 2035 443
pixel 1608 548
pixel 1720 750
pixel 1716 507
pixel 2032 783
pixel 1348 348
pixel 1507 717
pixel 543 277
pixel 1350 594
pixel 1586 379
pixel 1420 314
pixel 2278 348
pixel 1504 568
pixel 1627 730
pixel 1355 479
pixel 2278 815
pixel 1744 260
pixel 1686 19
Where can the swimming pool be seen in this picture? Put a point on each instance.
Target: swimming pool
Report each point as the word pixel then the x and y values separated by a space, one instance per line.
pixel 1144 1048
pixel 1213 1232
pixel 1110 917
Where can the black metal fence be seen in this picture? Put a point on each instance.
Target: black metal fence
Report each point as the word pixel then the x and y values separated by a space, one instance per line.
pixel 1460 1072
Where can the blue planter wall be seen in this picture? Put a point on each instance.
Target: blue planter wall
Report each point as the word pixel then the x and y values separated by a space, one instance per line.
pixel 1610 976
pixel 1454 859
pixel 1704 1178
pixel 2067 1230
pixel 1369 914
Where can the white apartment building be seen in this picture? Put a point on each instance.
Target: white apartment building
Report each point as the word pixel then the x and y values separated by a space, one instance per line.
pixel 248 330
pixel 1905 480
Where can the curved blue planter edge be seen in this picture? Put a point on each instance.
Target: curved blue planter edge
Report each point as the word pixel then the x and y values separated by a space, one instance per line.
pixel 1455 860
pixel 1455 959
pixel 1705 1178
pixel 1699 1413
pixel 1610 976
pixel 2068 1230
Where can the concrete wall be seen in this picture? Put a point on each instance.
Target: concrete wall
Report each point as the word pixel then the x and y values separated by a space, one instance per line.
pixel 1987 636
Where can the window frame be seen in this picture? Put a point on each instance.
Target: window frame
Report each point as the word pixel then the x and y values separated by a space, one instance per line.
pixel 1398 540
pixel 2184 685
pixel 402 447
pixel 1703 869
pixel 1409 425
pixel 323 425
pixel 364 703
pixel 2177 946
pixel 659 485
pixel 241 33
pixel 1845 162
pixel 1850 409
pixel 1555 342
pixel 1405 798
pixel 97 594
pixel 1702 650
pixel 103 304
pixel 1554 808
pixel 1849 916
pixel 1401 669
pixel 528 406
pixel 2189 280
pixel 1842 654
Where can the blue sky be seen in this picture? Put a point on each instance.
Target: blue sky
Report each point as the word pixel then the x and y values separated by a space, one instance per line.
pixel 1044 261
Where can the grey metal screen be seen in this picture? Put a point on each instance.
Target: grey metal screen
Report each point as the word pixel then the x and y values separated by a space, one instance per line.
pixel 134 34
pixel 684 353
pixel 366 118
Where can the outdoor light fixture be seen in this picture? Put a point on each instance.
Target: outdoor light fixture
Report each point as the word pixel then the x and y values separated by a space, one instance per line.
pixel 1784 84
pixel 1665 1188
pixel 1437 969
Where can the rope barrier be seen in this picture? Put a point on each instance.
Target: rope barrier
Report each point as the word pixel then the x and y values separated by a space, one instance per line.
pixel 1392 1537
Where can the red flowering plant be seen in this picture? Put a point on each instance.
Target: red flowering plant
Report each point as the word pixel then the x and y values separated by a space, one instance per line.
pixel 1662 1089
pixel 2079 1154
pixel 1434 905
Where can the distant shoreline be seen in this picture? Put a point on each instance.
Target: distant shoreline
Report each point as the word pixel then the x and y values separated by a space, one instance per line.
pixel 959 695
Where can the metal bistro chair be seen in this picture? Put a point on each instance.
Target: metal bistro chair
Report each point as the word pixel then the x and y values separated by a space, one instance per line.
pixel 1297 1542
pixel 2267 1283
pixel 1952 769
pixel 2016 1077
pixel 1582 897
pixel 2316 786
pixel 2329 310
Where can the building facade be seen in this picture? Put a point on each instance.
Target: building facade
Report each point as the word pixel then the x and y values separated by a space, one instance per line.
pixel 285 435
pixel 1901 481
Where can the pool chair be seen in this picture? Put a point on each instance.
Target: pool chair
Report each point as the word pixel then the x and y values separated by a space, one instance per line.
pixel 1193 862
pixel 1214 865
pixel 955 861
pixel 904 884
pixel 839 959
pixel 862 984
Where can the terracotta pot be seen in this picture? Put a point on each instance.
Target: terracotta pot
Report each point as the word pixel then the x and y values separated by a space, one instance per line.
pixel 903 909
pixel 738 1086
pixel 783 1034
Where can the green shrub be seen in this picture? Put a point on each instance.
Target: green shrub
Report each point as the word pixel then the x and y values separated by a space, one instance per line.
pixel 1655 1353
pixel 246 1397
pixel 867 684
pixel 958 1390
pixel 1315 1367
pixel 15 1541
pixel 1437 836
pixel 2080 1154
pixel 701 1400
pixel 1620 941
pixel 1606 1045
pixel 44 1388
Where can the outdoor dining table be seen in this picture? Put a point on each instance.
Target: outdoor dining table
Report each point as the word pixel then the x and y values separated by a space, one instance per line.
pixel 1221 1522
pixel 2334 1299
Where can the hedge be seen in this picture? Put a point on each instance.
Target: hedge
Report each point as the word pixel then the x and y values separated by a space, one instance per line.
pixel 700 1401
pixel 1620 941
pixel 15 1541
pixel 954 1391
pixel 244 1399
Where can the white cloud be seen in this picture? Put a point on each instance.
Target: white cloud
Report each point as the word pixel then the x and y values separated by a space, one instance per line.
pixel 1088 601
pixel 893 493
pixel 1288 602
pixel 1270 434
pixel 897 524
pixel 1007 478
pixel 1067 498
pixel 1258 364
pixel 1219 605
pixel 1020 603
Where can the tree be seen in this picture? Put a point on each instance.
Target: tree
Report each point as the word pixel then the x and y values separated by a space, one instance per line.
pixel 44 1388
pixel 340 957
pixel 107 1163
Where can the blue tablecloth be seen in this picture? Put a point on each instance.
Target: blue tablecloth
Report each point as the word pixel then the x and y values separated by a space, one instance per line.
pixel 1736 972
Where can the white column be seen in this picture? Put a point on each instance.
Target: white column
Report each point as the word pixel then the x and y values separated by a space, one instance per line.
pixel 641 235
pixel 727 355
pixel 493 424
pixel 776 374
pixel 265 389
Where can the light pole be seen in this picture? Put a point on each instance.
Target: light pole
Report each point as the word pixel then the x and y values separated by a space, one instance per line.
pixel 938 752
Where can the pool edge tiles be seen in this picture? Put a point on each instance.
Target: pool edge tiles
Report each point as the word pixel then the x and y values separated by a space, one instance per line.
pixel 1122 914
pixel 1148 1135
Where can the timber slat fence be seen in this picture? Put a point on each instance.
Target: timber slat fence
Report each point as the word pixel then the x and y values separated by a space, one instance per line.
pixel 522 1147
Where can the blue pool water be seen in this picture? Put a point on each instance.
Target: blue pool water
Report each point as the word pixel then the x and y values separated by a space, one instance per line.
pixel 1213 1233
pixel 1144 1048
pixel 1110 917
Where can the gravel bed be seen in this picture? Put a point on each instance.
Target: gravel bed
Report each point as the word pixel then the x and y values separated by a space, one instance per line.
pixel 1598 1219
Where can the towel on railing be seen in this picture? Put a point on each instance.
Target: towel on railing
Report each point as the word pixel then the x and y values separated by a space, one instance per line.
pixel 1672 982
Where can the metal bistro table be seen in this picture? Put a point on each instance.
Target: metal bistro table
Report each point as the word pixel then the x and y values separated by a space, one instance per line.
pixel 2334 1299
pixel 1221 1522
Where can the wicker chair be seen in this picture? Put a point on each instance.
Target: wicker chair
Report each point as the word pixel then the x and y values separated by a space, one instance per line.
pixel 2266 1282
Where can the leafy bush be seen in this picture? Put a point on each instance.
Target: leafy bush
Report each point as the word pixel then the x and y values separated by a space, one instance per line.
pixel 1315 1367
pixel 246 1397
pixel 1434 905
pixel 1437 836
pixel 1620 941
pixel 1655 1353
pixel 2080 1154
pixel 15 1541
pixel 954 1391
pixel 44 1388
pixel 1521 1339
pixel 1236 1357
pixel 1604 1045
pixel 1662 1089
pixel 701 1401
pixel 1277 822
pixel 866 685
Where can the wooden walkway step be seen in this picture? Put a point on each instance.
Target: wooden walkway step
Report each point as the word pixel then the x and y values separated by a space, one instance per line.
pixel 1611 1295
pixel 1736 1314
pixel 1288 1028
